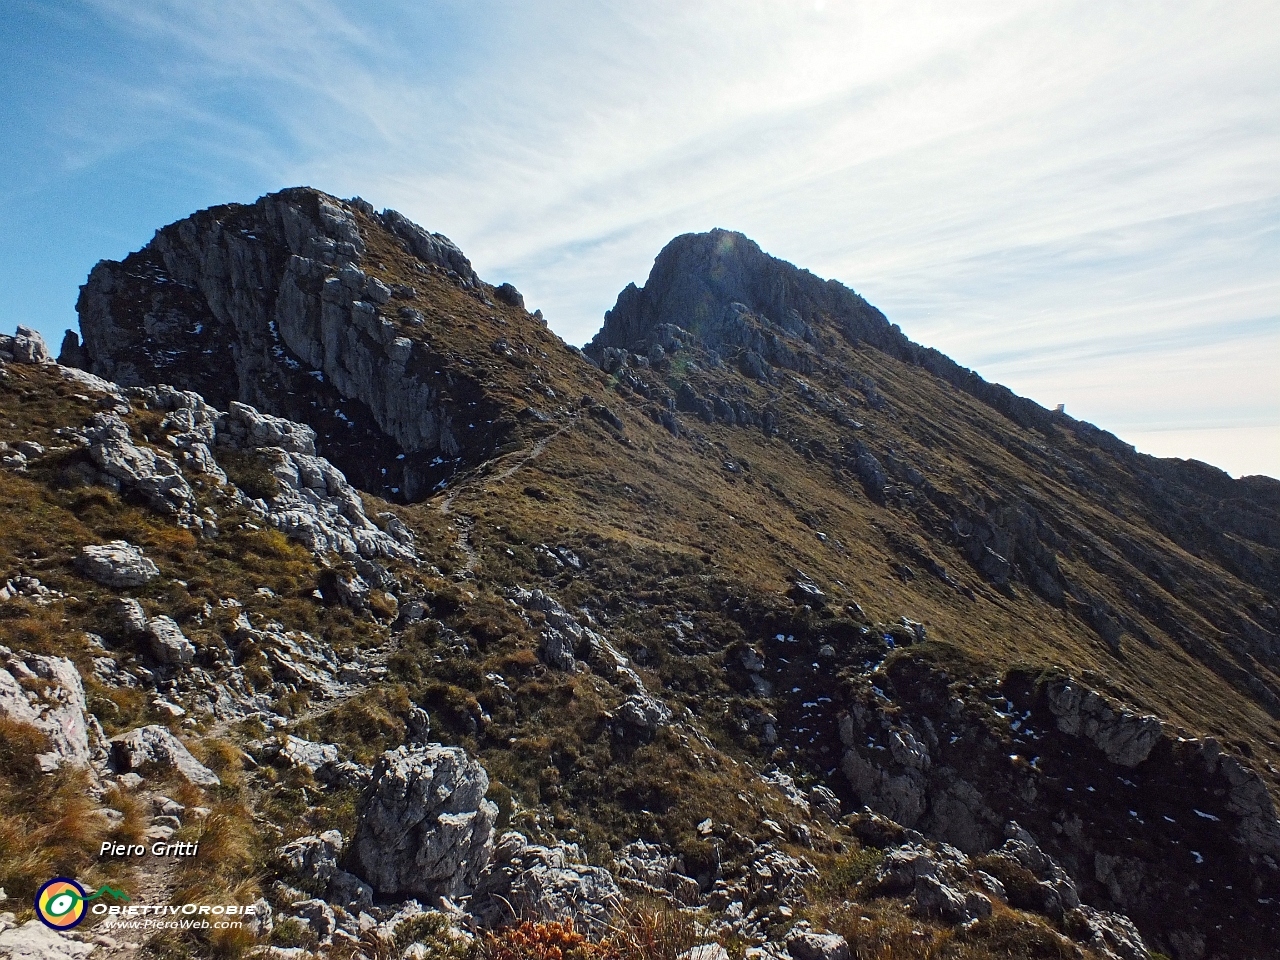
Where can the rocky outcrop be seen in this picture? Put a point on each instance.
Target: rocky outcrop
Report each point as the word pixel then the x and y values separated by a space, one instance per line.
pixel 34 941
pixel 425 828
pixel 932 879
pixel 806 944
pixel 153 475
pixel 941 882
pixel 309 499
pixel 315 859
pixel 274 305
pixel 169 644
pixel 1080 768
pixel 646 869
pixel 25 346
pixel 47 693
pixel 116 564
pixel 154 751
pixel 1125 737
pixel 313 503
pixel 530 881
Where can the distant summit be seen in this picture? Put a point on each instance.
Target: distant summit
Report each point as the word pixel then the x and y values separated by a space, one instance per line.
pixel 706 282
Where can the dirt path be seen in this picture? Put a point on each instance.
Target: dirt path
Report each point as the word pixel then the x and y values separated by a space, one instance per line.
pixel 466 524
pixel 154 880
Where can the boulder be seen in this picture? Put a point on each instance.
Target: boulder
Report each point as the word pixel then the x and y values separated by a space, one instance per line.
pixel 297 752
pixel 28 346
pixel 116 564
pixel 34 941
pixel 546 883
pixel 644 714
pixel 313 857
pixel 425 828
pixel 55 707
pixel 131 616
pixel 808 945
pixel 1112 935
pixel 154 750
pixel 168 643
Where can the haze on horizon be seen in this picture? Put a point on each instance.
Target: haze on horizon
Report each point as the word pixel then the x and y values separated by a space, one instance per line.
pixel 1078 200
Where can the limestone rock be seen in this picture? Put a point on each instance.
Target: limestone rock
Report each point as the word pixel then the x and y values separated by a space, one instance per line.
pixel 349 892
pixel 899 796
pixel 130 615
pixel 1126 738
pixel 647 869
pixel 297 752
pixel 26 346
pixel 116 564
pixel 547 883
pixel 808 945
pixel 244 428
pixel 153 475
pixel 425 828
pixel 154 750
pixel 56 706
pixel 708 951
pixel 508 294
pixel 260 921
pixel 1057 890
pixel 644 714
pixel 933 877
pixel 314 504
pixel 168 643
pixel 1112 935
pixel 34 941
pixel 313 857
pixel 71 354
pixel 317 915
pixel 277 312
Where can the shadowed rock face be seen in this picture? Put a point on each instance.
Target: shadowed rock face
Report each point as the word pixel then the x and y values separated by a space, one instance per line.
pixel 721 287
pixel 269 305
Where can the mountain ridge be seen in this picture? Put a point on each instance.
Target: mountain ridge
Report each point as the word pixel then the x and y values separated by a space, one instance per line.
pixel 725 541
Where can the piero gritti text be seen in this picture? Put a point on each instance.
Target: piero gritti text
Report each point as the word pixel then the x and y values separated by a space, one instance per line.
pixel 182 848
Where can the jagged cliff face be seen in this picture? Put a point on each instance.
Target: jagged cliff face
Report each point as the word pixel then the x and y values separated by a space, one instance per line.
pixel 754 529
pixel 313 307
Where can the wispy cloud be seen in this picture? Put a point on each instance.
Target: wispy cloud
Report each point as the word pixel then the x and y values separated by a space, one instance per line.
pixel 1077 199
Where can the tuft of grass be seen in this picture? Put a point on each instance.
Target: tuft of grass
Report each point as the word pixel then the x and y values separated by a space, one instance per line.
pixel 651 932
pixel 49 826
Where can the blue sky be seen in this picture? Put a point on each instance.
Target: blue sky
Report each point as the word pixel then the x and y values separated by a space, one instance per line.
pixel 1079 200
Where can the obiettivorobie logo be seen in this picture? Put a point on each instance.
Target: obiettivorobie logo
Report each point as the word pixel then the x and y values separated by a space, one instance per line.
pixel 60 902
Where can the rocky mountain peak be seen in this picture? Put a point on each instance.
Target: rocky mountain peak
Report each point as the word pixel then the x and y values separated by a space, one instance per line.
pixel 721 287
pixel 321 310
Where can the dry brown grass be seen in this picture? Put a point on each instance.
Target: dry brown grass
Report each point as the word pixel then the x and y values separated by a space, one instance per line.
pixel 49 826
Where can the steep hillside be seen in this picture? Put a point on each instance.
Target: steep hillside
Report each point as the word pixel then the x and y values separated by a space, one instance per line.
pixel 707 602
